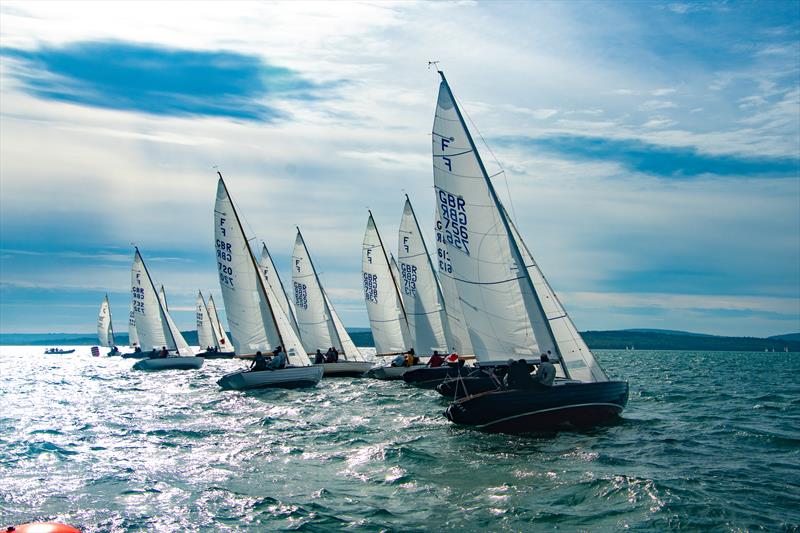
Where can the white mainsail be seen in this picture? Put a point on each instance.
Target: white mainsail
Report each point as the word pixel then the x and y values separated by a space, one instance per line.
pixel 133 336
pixel 502 309
pixel 205 331
pixel 499 303
pixel 223 341
pixel 387 318
pixel 105 330
pixel 255 317
pixel 422 296
pixel 273 278
pixel 314 312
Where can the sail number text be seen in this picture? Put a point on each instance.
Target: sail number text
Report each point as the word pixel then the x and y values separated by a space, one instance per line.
pixel 453 221
pixel 371 287
pixel 409 275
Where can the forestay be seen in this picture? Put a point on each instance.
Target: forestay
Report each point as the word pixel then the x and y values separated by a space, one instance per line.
pixel 256 320
pixel 205 331
pixel 274 280
pixel 387 318
pixel 146 307
pixel 105 330
pixel 575 354
pixel 500 307
pixel 222 338
pixel 422 296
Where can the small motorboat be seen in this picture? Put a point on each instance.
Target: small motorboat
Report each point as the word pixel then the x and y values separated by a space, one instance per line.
pixel 57 351
pixel 170 363
pixel 567 403
pixel 290 377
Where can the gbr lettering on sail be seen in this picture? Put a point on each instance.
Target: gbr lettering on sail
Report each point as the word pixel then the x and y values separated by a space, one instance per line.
pixel 224 257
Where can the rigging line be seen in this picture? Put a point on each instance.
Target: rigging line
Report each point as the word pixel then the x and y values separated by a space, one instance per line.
pixel 486 144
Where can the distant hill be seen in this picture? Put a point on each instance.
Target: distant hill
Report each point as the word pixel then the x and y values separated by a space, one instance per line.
pixel 640 339
pixel 787 337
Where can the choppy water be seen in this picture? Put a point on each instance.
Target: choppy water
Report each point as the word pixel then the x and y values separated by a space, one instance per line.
pixel 706 443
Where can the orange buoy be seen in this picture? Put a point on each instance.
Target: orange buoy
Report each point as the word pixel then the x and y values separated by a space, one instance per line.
pixel 43 527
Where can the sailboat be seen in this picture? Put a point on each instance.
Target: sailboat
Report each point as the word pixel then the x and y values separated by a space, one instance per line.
pixel 507 309
pixel 319 324
pixel 155 326
pixel 207 332
pixel 223 342
pixel 387 315
pixel 105 329
pixel 257 322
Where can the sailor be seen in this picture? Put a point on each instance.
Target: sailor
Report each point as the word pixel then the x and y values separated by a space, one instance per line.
pixel 546 372
pixel 278 359
pixel 259 363
pixel 400 360
pixel 319 358
pixel 410 357
pixel 137 349
pixel 436 360
pixel 329 355
pixel 452 360
pixel 164 352
pixel 519 375
pixel 114 351
pixel 335 354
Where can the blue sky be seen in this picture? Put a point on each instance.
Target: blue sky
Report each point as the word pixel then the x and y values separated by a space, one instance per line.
pixel 650 149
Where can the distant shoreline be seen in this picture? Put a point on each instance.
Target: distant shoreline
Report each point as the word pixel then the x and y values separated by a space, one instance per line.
pixel 597 340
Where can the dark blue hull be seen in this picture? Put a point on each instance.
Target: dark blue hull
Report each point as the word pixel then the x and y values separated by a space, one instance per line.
pixel 541 409
pixel 429 378
pixel 217 355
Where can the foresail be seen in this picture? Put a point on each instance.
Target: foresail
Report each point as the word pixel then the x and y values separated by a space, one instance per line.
pixel 177 342
pixel 574 352
pixel 274 280
pixel 422 297
pixel 317 330
pixel 385 312
pixel 219 331
pixel 205 330
pixel 348 347
pixel 146 307
pixel 497 296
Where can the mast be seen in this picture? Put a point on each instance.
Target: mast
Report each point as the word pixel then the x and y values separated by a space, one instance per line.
pixel 501 211
pixel 397 293
pixel 160 304
pixel 253 260
pixel 322 290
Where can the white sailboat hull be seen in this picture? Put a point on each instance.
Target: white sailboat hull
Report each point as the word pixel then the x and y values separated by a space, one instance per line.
pixel 346 368
pixel 287 378
pixel 390 373
pixel 170 363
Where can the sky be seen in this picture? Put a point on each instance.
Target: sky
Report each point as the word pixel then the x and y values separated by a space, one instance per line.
pixel 649 152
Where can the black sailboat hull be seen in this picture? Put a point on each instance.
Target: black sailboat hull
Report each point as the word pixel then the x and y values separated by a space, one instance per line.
pixel 541 409
pixel 429 378
pixel 217 355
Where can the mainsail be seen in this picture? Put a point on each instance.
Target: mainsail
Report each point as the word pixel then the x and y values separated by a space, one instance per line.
pixel 133 337
pixel 273 278
pixel 219 332
pixel 422 296
pixel 255 317
pixel 105 330
pixel 205 331
pixel 319 325
pixel 154 326
pixel 387 317
pixel 502 310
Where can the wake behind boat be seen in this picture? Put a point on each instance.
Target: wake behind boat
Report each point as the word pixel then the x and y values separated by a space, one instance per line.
pixel 509 309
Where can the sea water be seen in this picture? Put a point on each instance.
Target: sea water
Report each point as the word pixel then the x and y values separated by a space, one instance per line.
pixel 709 441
